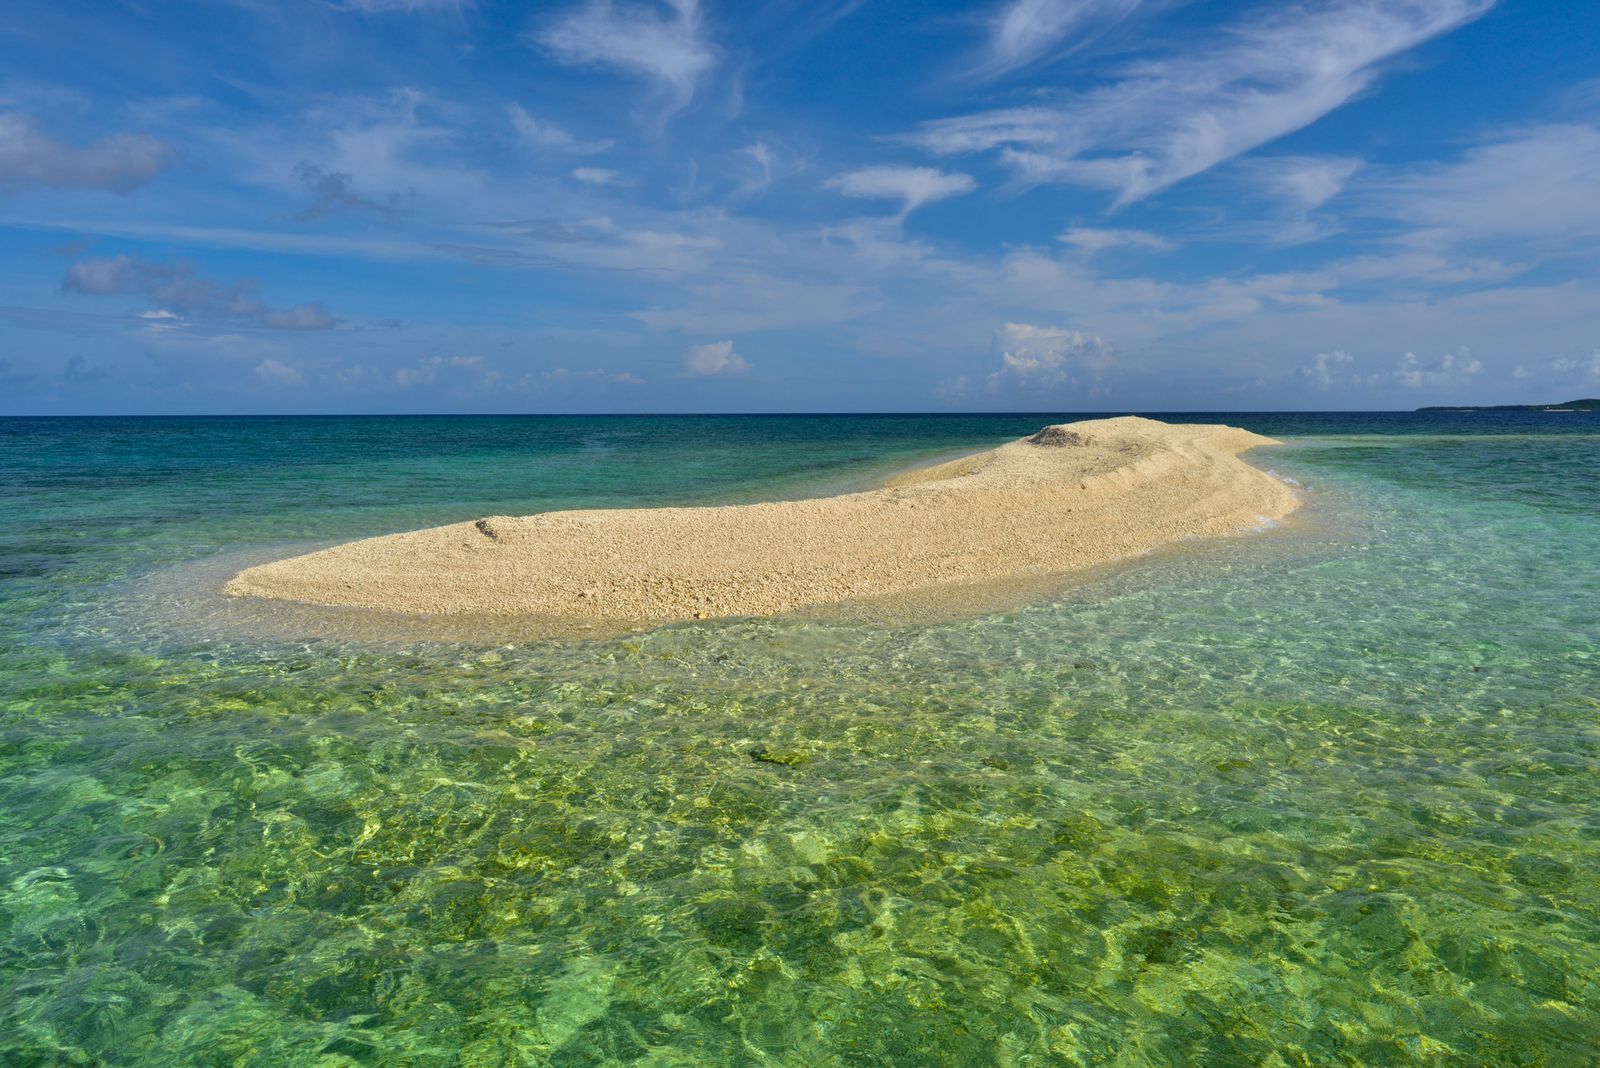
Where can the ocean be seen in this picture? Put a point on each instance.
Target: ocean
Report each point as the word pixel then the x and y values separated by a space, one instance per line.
pixel 1327 793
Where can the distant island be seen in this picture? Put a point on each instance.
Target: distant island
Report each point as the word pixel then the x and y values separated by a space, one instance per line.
pixel 1587 404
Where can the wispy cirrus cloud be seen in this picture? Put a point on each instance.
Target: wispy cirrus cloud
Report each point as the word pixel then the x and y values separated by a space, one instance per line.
pixel 381 7
pixel 1023 32
pixel 1290 193
pixel 599 176
pixel 1090 240
pixel 1171 117
pixel 1537 184
pixel 118 163
pixel 543 134
pixel 912 186
pixel 661 41
pixel 761 163
pixel 1306 182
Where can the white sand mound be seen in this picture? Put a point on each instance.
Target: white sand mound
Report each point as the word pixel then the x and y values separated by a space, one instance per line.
pixel 1066 498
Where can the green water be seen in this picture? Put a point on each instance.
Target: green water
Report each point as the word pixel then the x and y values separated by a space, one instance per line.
pixel 1324 795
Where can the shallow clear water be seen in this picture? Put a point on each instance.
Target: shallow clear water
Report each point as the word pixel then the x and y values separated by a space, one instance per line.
pixel 1323 795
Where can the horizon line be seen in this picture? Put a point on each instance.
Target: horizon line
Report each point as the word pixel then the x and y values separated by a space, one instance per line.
pixel 1106 412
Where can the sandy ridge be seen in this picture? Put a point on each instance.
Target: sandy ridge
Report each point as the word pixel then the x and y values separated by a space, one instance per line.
pixel 1070 497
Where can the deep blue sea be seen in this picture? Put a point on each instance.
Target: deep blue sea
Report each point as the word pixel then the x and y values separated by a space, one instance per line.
pixel 1328 794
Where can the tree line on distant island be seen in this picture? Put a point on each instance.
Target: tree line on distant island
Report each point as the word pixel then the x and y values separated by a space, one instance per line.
pixel 1587 404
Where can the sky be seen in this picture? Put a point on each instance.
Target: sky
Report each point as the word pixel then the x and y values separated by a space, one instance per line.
pixel 330 206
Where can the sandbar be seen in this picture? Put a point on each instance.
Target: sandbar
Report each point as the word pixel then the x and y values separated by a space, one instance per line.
pixel 1071 497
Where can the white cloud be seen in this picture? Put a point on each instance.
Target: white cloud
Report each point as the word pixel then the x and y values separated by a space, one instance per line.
pixel 1024 31
pixel 403 145
pixel 118 163
pixel 717 358
pixel 1287 194
pixel 1306 182
pixel 279 373
pixel 160 320
pixel 428 371
pixel 178 291
pixel 763 161
pixel 1171 117
pixel 1537 183
pixel 1413 372
pixel 987 130
pixel 1090 240
pixel 658 40
pixel 256 240
pixel 1586 367
pixel 599 176
pixel 1326 367
pixel 375 7
pixel 912 186
pixel 563 377
pixel 542 134
pixel 598 242
pixel 1046 357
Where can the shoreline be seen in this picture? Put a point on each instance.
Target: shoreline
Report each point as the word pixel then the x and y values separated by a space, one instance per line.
pixel 1069 498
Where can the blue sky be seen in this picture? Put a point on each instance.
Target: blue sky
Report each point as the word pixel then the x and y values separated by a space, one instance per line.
pixel 813 205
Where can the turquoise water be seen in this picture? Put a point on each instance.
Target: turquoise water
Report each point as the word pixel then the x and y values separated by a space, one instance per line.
pixel 1329 794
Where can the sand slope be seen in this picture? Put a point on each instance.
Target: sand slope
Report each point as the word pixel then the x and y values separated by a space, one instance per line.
pixel 1069 497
